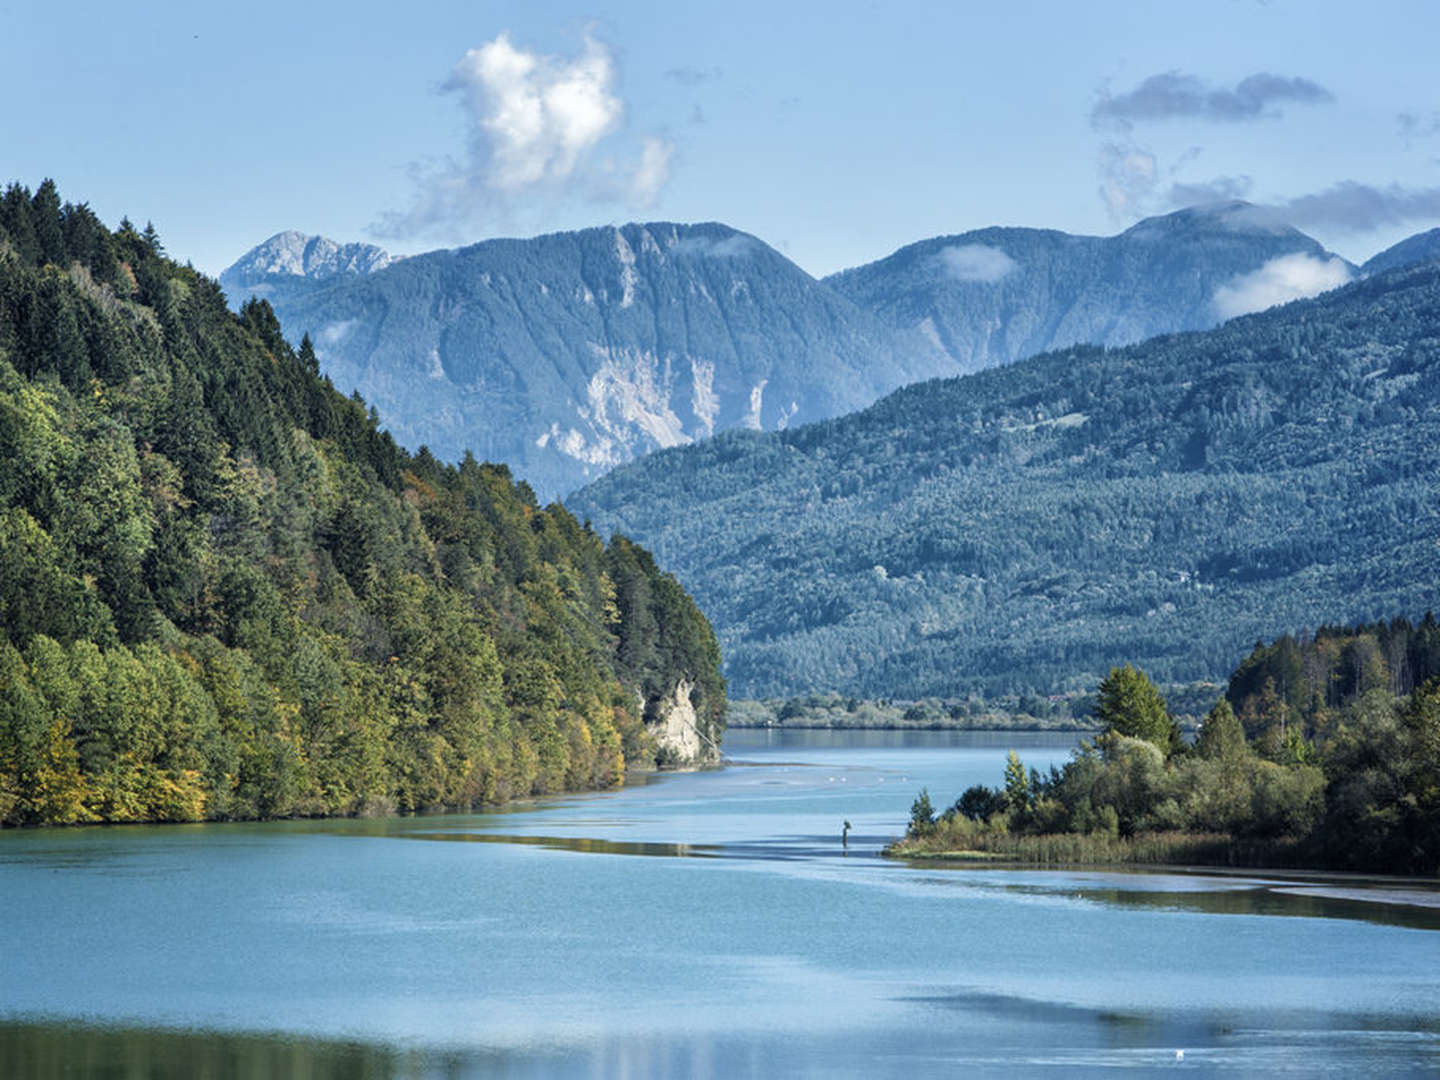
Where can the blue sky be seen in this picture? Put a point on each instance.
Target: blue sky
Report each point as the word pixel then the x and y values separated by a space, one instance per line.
pixel 835 131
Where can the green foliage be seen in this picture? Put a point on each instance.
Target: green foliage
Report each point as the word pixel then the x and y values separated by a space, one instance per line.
pixel 978 803
pixel 1017 785
pixel 1221 735
pixel 226 593
pixel 1025 712
pixel 922 815
pixel 1130 705
pixel 1365 795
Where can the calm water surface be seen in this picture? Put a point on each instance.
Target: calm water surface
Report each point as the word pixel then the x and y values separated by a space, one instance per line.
pixel 706 924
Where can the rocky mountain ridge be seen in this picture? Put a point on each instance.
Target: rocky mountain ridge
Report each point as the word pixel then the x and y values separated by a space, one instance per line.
pixel 567 354
pixel 997 295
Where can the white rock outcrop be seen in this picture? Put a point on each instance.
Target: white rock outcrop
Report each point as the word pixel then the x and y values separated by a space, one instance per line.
pixel 676 730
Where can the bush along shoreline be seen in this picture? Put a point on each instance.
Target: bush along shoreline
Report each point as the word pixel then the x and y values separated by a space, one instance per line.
pixel 1324 753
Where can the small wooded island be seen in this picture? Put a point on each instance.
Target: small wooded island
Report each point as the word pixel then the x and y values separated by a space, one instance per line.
pixel 1323 753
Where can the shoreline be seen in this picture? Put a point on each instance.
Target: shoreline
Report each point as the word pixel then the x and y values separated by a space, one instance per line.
pixel 1421 893
pixel 1040 729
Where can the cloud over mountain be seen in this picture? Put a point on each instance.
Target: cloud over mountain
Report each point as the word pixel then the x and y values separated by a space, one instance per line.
pixel 537 126
pixel 1280 280
pixel 1173 95
pixel 976 262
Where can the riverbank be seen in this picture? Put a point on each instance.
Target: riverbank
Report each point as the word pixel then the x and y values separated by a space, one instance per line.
pixel 1210 850
pixel 1017 712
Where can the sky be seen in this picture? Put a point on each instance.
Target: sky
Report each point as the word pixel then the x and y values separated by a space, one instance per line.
pixel 835 131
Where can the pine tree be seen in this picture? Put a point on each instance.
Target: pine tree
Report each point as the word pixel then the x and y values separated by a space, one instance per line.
pixel 17 219
pixel 1221 734
pixel 1017 785
pixel 1131 705
pixel 49 228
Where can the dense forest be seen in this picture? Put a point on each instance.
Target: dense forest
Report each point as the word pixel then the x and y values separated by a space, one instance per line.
pixel 1323 752
pixel 1024 529
pixel 226 593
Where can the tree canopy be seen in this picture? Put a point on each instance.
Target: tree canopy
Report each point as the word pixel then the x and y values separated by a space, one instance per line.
pixel 1130 704
pixel 226 592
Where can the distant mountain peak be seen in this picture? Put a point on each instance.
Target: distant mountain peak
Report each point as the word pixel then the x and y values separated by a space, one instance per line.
pixel 567 353
pixel 297 254
pixel 1231 215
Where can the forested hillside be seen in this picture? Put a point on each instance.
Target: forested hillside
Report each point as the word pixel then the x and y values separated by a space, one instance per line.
pixel 1031 526
pixel 225 593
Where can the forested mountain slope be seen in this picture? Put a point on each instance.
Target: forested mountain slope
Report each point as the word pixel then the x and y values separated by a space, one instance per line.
pixel 997 295
pixel 1422 247
pixel 1168 503
pixel 567 354
pixel 225 593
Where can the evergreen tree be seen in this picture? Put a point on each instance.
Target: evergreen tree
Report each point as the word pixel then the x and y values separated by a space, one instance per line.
pixel 1221 734
pixel 49 227
pixel 1129 704
pixel 922 815
pixel 1017 785
pixel 17 220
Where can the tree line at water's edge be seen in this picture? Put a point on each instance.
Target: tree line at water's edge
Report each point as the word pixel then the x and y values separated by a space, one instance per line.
pixel 225 592
pixel 1323 752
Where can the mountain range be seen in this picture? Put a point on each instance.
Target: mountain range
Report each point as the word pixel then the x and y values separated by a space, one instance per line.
pixel 1030 526
pixel 568 354
pixel 997 295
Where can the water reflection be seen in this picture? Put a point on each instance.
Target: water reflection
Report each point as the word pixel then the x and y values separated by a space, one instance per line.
pixel 733 936
pixel 1407 904
pixel 52 1051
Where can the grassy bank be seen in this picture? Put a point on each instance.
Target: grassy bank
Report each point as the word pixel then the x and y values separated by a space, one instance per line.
pixel 1099 849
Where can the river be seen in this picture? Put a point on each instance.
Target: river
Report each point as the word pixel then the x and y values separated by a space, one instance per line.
pixel 700 924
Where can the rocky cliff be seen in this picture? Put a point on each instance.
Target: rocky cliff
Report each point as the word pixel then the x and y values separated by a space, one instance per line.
pixel 682 738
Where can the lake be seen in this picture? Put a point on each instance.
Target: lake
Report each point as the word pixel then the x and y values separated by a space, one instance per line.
pixel 700 924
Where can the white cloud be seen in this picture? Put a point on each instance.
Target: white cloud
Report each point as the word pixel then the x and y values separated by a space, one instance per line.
pixel 1128 175
pixel 1282 279
pixel 537 125
pixel 703 247
pixel 539 114
pixel 652 173
pixel 336 332
pixel 976 262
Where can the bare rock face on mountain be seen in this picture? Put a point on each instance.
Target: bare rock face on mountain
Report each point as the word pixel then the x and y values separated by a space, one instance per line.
pixel 998 295
pixel 568 354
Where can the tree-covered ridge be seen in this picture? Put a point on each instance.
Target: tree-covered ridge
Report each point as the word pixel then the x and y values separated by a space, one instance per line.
pixel 224 592
pixel 1031 526
pixel 1324 751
